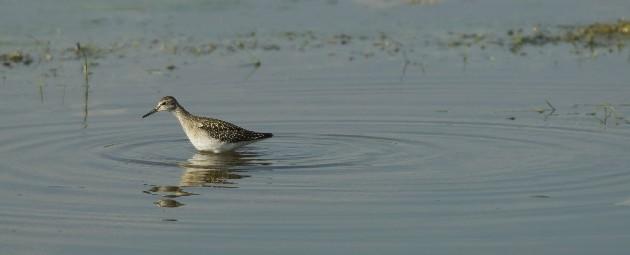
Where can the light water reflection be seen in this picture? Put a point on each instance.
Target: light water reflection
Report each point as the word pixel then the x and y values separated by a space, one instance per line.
pixel 216 170
pixel 206 170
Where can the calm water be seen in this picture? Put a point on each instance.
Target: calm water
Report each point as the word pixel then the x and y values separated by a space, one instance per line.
pixel 455 153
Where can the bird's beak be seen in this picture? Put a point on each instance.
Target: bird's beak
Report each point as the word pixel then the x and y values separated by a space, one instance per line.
pixel 149 113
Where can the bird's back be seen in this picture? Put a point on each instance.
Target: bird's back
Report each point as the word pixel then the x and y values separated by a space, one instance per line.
pixel 227 132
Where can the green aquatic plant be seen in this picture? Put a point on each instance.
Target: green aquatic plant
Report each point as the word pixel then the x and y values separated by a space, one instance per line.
pixel 86 78
pixel 605 113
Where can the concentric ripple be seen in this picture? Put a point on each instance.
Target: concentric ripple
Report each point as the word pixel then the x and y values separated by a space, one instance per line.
pixel 283 151
pixel 473 165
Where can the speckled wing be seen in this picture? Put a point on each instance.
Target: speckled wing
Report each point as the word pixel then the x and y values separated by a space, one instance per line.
pixel 228 132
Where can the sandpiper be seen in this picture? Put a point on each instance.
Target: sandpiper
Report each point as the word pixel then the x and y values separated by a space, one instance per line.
pixel 208 134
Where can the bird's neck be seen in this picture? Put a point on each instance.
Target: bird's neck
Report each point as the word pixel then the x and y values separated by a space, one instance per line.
pixel 180 112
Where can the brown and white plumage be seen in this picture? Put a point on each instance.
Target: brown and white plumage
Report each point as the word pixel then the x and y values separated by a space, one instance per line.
pixel 208 134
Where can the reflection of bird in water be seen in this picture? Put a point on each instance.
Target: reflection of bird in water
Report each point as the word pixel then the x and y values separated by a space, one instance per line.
pixel 206 170
pixel 215 170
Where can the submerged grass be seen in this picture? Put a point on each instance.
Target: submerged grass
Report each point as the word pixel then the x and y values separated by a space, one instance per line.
pixel 86 78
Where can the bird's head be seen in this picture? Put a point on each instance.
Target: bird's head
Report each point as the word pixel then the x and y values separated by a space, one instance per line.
pixel 167 103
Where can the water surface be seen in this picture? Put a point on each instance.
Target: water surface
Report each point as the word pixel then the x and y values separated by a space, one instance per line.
pixel 455 151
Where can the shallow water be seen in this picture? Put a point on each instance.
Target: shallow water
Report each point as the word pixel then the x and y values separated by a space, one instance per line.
pixel 453 155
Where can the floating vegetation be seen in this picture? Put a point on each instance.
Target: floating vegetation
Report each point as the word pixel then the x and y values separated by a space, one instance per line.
pixel 15 57
pixel 588 38
pixel 203 49
pixel 469 40
pixel 342 39
pixel 250 44
pixel 599 35
pixel 610 36
pixel 607 113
